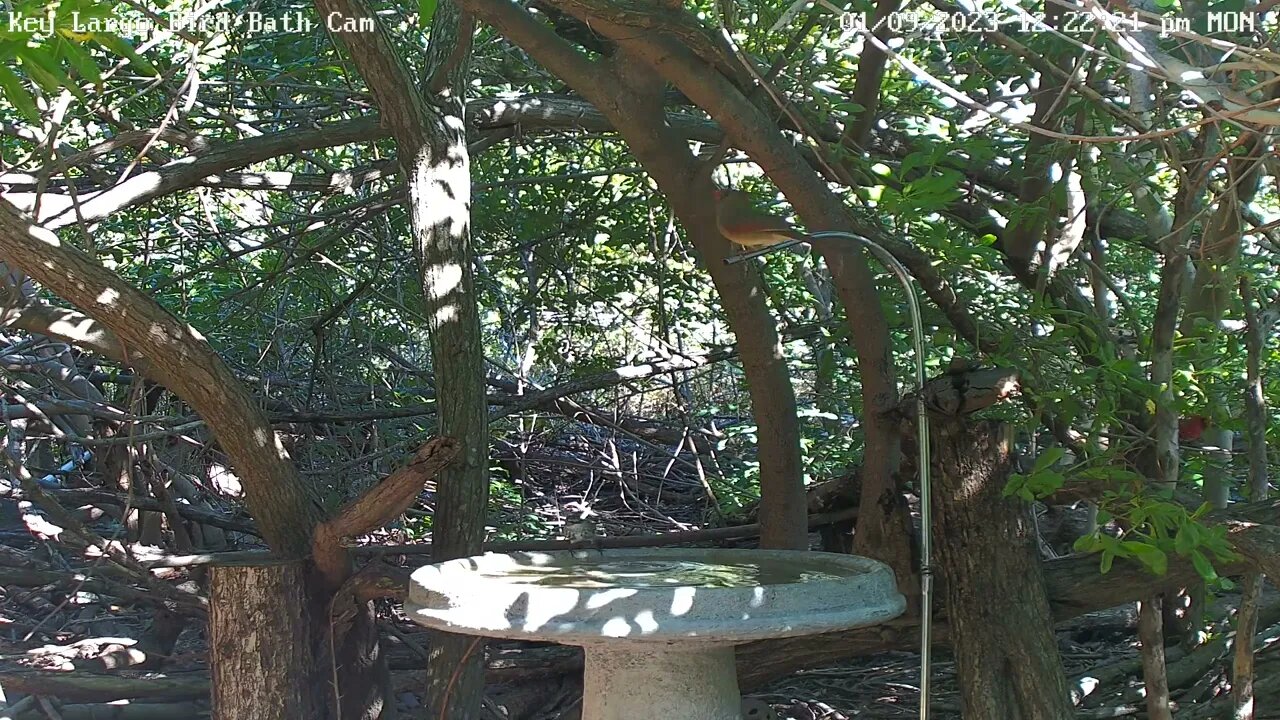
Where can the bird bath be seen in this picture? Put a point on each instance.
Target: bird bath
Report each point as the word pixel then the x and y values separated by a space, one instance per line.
pixel 658 626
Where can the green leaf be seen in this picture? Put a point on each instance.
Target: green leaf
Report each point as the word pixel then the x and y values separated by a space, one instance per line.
pixel 80 60
pixel 913 161
pixel 1108 558
pixel 1186 540
pixel 1086 543
pixel 1151 556
pixel 1048 458
pixel 1047 482
pixel 46 71
pixel 1126 366
pixel 1138 517
pixel 124 49
pixel 426 11
pixel 1015 485
pixel 1202 565
pixel 1158 561
pixel 18 95
pixel 1110 473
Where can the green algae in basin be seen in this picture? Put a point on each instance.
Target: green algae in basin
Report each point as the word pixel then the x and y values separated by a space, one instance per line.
pixel 588 573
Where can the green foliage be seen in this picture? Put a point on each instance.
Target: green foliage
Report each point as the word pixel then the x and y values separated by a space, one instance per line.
pixel 54 47
pixel 1041 482
pixel 1153 528
pixel 426 11
pixel 581 268
pixel 520 521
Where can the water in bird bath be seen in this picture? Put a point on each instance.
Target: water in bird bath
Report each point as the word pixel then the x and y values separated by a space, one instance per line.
pixel 658 625
pixel 586 570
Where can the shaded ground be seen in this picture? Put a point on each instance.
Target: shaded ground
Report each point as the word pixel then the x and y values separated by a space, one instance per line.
pixel 77 633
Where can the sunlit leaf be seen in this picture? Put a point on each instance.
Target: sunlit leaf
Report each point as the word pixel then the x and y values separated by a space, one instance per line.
pixel 46 71
pixel 1202 565
pixel 80 60
pixel 18 95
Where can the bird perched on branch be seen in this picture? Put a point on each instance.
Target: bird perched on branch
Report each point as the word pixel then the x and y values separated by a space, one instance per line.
pixel 739 221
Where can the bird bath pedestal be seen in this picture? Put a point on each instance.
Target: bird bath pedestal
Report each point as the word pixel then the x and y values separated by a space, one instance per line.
pixel 657 626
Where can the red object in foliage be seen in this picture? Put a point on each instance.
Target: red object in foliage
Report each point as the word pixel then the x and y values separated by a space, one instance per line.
pixel 1191 428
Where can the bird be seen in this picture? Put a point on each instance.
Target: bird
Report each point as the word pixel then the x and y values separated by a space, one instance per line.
pixel 1191 428
pixel 740 222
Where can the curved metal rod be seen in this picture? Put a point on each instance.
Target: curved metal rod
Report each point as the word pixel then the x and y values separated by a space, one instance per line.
pixel 922 440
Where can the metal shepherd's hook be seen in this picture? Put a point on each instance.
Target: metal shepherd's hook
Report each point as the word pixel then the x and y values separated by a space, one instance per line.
pixel 922 440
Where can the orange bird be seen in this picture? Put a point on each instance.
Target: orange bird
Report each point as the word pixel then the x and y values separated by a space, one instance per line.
pixel 740 222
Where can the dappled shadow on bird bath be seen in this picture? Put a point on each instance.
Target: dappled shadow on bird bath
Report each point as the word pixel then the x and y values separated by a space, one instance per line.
pixel 658 625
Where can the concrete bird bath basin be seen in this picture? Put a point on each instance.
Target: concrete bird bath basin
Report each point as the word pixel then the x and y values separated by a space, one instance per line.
pixel 658 626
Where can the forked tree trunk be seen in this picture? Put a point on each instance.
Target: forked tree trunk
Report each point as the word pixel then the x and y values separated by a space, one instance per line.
pixel 174 355
pixel 1002 629
pixel 269 650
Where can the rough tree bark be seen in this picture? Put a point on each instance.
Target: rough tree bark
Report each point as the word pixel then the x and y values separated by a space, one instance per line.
pixel 430 133
pixel 996 603
pixel 866 87
pixel 262 675
pixel 1255 404
pixel 1155 671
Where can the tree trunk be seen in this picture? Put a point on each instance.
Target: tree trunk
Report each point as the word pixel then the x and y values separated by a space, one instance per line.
pixel 1255 406
pixel 996 602
pixel 175 355
pixel 272 671
pixel 1155 673
pixel 442 244
pixel 430 134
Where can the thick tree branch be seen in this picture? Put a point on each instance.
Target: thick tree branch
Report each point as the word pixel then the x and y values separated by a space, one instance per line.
pixel 380 505
pixel 56 212
pixel 185 363
pixel 866 88
pixel 211 165
pixel 632 100
pixel 884 534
